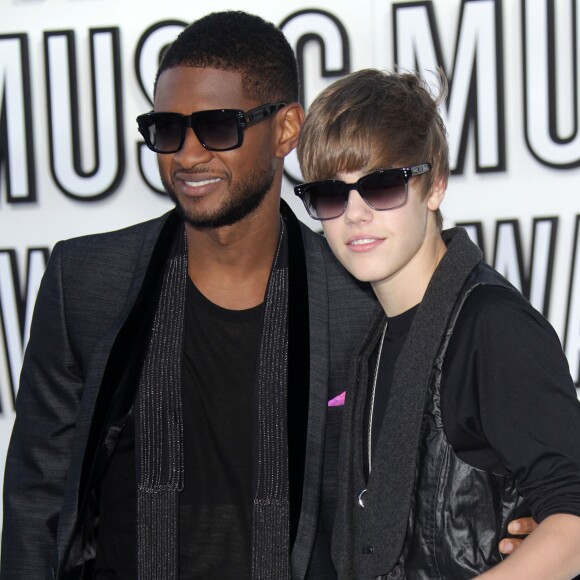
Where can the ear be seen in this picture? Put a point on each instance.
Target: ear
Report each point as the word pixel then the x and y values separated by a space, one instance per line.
pixel 288 124
pixel 437 194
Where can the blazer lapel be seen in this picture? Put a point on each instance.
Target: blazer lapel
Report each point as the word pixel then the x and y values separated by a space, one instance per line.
pixel 106 372
pixel 317 310
pixel 298 368
pixel 339 310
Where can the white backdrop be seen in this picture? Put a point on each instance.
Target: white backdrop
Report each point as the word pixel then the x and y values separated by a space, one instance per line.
pixel 75 73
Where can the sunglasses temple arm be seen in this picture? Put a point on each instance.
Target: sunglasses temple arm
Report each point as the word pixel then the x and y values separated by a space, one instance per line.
pixel 256 115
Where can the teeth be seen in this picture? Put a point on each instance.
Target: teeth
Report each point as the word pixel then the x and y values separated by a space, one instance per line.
pixel 200 183
pixel 362 241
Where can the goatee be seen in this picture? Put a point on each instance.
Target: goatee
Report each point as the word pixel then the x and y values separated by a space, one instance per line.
pixel 245 196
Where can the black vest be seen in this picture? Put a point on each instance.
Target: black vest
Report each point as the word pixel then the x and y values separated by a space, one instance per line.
pixel 459 513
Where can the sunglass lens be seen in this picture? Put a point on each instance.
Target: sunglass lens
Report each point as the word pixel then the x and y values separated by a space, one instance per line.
pixel 325 200
pixel 166 132
pixel 384 190
pixel 218 130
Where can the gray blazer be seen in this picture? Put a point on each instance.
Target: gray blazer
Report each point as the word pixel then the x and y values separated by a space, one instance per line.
pixel 88 293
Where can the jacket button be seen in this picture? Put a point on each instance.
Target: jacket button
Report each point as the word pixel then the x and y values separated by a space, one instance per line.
pixel 368 550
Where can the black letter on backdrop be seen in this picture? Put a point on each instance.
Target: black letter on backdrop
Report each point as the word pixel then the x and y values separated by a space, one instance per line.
pixel 16 135
pixel 572 330
pixel 541 86
pixel 16 305
pixel 64 117
pixel 148 56
pixel 476 94
pixel 539 282
pixel 326 31
pixel 509 259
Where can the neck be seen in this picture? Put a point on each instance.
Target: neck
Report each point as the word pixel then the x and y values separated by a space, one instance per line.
pixel 231 265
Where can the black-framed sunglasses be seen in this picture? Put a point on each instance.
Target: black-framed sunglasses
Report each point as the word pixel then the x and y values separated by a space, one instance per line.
pixel 217 130
pixel 382 190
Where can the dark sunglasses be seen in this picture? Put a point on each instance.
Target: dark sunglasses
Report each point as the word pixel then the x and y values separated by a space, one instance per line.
pixel 382 190
pixel 217 130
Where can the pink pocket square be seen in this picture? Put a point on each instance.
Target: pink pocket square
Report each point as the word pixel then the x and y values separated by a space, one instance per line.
pixel 338 401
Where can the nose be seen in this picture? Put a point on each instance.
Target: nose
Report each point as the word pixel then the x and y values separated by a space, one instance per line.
pixel 192 152
pixel 357 209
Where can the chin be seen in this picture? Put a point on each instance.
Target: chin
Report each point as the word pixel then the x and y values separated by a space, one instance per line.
pixel 360 269
pixel 359 274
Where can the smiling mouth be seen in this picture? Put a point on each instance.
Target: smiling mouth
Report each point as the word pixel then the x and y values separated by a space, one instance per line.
pixel 202 183
pixel 363 241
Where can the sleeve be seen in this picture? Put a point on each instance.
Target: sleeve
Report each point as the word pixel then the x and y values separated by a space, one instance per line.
pixel 39 450
pixel 528 410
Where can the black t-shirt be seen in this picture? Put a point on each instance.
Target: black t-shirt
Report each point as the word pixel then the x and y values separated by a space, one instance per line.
pixel 508 402
pixel 395 336
pixel 219 367
pixel 220 351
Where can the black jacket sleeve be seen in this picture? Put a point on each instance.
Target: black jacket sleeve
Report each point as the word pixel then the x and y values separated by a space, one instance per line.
pixel 509 402
pixel 39 450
